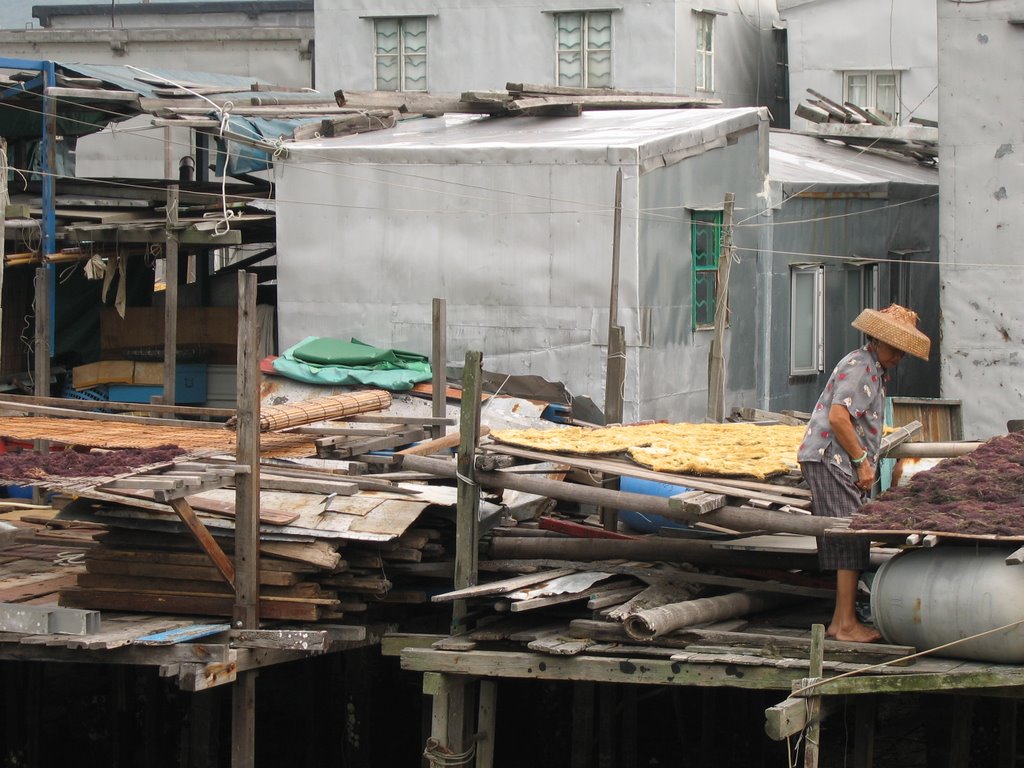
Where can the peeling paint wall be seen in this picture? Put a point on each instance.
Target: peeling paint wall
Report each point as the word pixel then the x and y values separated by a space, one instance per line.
pixel 981 165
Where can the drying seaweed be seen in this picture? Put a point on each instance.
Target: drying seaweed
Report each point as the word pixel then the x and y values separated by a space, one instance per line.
pixel 980 493
pixel 29 466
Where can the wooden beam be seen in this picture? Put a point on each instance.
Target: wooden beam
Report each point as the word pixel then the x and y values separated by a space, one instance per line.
pixel 205 539
pixel 645 670
pixel 247 452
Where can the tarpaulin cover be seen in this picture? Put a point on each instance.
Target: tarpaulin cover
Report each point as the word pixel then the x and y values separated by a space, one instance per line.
pixel 322 360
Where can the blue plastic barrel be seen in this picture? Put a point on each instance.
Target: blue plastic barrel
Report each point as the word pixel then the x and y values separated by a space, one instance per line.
pixel 644 522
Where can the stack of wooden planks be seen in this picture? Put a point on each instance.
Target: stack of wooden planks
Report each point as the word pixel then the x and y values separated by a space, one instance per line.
pixel 869 129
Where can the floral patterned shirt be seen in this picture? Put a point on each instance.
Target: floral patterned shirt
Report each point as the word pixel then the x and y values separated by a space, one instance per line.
pixel 858 382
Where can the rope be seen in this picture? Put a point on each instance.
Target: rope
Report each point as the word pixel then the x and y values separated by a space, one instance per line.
pixel 439 755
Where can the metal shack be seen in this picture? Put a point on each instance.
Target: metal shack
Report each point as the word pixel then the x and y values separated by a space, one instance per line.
pixel 511 221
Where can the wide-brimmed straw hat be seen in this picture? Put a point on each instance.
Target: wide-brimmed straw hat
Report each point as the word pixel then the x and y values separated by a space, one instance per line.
pixel 897 327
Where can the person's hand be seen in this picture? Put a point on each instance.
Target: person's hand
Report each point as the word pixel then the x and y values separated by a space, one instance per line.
pixel 865 475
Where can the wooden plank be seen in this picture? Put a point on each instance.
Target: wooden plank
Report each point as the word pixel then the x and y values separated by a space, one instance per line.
pixel 700 502
pixel 270 608
pixel 304 589
pixel 438 358
pixel 197 573
pixel 578 530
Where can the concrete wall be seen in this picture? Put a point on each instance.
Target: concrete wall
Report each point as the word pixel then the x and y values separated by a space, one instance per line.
pixel 484 44
pixel 828 37
pixel 981 167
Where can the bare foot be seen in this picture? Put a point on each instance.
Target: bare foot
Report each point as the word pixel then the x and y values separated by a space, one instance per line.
pixel 853 633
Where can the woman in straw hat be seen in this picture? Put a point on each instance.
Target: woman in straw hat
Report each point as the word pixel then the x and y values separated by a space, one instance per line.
pixel 840 449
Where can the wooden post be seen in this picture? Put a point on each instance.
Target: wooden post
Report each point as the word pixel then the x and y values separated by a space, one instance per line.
pixel 468 503
pixel 485 723
pixel 615 366
pixel 613 405
pixel 247 499
pixel 608 725
pixel 448 711
pixel 612 390
pixel 438 355
pixel 1007 733
pixel 716 354
pixel 814 703
pixel 583 694
pixel 864 731
pixel 171 294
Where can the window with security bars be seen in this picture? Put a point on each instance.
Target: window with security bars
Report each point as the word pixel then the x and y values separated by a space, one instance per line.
pixel 705 63
pixel 877 91
pixel 706 249
pixel 583 49
pixel 400 53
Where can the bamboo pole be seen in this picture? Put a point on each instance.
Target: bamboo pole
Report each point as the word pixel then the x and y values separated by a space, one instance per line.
pixel 171 295
pixel 735 518
pixel 438 355
pixel 647 549
pixel 655 622
pixel 716 353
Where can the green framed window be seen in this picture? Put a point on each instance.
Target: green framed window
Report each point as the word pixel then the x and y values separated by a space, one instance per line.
pixel 705 251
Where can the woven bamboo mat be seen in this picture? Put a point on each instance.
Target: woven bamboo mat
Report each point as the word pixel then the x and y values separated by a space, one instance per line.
pixel 100 434
pixel 323 409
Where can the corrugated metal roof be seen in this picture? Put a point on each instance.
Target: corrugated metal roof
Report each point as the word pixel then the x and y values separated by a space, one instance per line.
pixel 133 79
pixel 795 157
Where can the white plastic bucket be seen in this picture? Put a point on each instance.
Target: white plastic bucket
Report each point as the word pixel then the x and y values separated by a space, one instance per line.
pixel 930 597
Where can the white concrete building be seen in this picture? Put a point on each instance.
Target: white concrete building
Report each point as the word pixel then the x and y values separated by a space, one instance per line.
pixel 721 49
pixel 269 40
pixel 981 171
pixel 876 54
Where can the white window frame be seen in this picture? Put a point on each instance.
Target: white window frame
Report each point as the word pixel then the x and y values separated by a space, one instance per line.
pixel 586 50
pixel 401 55
pixel 704 52
pixel 809 361
pixel 873 81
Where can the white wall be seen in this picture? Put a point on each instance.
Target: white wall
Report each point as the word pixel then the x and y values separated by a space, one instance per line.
pixel 484 44
pixel 981 172
pixel 828 37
